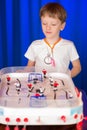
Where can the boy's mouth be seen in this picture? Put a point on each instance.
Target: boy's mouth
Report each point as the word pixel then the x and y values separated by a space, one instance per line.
pixel 48 32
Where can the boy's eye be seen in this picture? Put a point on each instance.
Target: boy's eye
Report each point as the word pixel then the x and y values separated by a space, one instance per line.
pixel 49 25
pixel 53 24
pixel 44 23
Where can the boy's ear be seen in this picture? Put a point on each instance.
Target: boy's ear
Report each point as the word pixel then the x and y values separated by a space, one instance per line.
pixel 63 26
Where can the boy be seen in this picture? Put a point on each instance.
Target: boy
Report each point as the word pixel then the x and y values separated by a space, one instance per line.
pixel 53 53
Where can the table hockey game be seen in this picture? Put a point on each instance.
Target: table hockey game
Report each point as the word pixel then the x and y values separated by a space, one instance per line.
pixel 28 97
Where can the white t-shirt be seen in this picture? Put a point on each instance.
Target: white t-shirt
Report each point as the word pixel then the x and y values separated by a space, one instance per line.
pixel 63 53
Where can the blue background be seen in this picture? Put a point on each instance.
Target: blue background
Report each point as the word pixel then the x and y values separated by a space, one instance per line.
pixel 20 25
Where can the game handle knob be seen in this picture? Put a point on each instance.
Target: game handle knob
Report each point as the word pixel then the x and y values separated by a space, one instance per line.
pixel 75 116
pixel 24 128
pixel 18 120
pixel 63 118
pixel 79 125
pixel 7 119
pixel 77 91
pixel 7 128
pixel 16 128
pixel 81 117
pixel 26 119
pixel 85 118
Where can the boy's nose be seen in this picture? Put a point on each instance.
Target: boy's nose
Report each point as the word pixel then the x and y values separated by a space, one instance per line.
pixel 48 27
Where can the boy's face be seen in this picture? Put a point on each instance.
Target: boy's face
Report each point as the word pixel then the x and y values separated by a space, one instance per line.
pixel 51 26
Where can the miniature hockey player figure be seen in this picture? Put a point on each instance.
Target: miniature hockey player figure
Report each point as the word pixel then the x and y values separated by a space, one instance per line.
pixel 42 91
pixel 8 83
pixel 55 88
pixel 44 72
pixel 55 85
pixel 35 80
pixel 37 94
pixel 18 86
pixel 8 80
pixel 70 95
pixel 51 81
pixel 30 88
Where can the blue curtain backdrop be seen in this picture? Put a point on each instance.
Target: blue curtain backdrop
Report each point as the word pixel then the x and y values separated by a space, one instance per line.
pixel 20 25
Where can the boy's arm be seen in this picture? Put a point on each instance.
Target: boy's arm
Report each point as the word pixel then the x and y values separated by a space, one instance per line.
pixel 76 68
pixel 31 63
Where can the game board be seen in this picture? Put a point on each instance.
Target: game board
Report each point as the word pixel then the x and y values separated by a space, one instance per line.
pixel 38 98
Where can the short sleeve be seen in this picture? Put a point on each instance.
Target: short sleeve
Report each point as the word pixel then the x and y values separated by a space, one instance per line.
pixel 73 52
pixel 30 53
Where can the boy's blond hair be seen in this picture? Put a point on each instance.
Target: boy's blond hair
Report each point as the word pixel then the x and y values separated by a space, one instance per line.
pixel 54 10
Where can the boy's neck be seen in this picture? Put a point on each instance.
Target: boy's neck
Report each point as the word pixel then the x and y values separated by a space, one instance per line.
pixel 52 41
